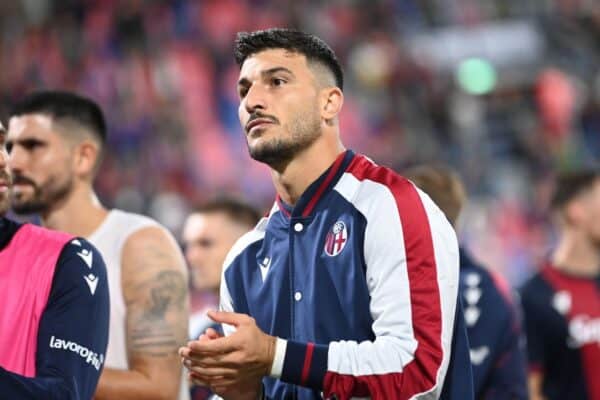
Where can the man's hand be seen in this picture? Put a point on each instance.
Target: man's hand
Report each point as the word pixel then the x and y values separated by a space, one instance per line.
pixel 234 365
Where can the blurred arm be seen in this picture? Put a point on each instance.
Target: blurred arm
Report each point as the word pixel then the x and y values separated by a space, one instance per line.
pixel 154 282
pixel 535 385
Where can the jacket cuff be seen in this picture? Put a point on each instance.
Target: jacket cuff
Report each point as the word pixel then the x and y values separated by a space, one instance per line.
pixel 305 364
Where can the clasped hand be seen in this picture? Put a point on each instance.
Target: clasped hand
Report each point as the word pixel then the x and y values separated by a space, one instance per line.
pixel 232 366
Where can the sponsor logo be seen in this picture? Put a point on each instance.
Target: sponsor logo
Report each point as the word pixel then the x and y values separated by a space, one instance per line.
pixel 472 279
pixel 87 256
pixel 583 330
pixel 264 267
pixel 92 282
pixel 336 239
pixel 472 295
pixel 479 354
pixel 472 314
pixel 91 358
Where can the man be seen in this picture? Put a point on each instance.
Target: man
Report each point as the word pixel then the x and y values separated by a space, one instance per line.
pixel 209 232
pixel 348 288
pixel 56 141
pixel 493 326
pixel 562 301
pixel 54 308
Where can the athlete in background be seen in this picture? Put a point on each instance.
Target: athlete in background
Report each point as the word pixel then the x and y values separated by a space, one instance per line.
pixel 561 302
pixel 56 141
pixel 208 234
pixel 497 345
pixel 54 309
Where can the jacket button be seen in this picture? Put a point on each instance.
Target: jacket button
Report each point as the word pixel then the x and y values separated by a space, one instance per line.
pixel 298 296
pixel 298 227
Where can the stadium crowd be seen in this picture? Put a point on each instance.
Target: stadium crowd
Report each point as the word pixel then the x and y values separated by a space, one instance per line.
pixel 163 73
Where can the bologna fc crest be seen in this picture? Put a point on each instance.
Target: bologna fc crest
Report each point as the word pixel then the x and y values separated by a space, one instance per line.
pixel 336 239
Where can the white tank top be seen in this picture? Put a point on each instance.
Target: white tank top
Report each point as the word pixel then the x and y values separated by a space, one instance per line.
pixel 109 239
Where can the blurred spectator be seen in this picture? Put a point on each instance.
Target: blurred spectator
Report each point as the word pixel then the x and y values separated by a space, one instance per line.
pixel 163 72
pixel 209 233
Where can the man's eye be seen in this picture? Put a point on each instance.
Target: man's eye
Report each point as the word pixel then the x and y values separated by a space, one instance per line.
pixel 31 144
pixel 278 81
pixel 242 93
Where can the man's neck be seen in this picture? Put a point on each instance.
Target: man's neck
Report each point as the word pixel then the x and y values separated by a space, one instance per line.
pixel 306 167
pixel 578 255
pixel 80 214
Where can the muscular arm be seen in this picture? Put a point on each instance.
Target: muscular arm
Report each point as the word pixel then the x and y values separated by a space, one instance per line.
pixel 154 283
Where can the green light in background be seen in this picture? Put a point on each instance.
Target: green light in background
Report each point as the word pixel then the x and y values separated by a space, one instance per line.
pixel 476 76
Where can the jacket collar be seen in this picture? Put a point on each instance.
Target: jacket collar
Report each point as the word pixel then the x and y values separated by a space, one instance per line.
pixel 315 191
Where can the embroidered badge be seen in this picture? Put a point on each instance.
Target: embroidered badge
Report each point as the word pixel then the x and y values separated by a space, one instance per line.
pixel 336 239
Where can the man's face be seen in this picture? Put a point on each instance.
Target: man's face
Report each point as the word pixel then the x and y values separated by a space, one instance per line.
pixel 279 109
pixel 40 160
pixel 5 179
pixel 208 237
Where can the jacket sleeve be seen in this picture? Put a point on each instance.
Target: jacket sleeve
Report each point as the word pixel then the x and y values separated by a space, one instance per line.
pixel 411 256
pixel 73 331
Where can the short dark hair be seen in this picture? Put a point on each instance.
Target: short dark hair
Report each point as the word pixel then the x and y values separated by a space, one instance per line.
pixel 61 105
pixel 443 185
pixel 570 184
pixel 312 47
pixel 237 210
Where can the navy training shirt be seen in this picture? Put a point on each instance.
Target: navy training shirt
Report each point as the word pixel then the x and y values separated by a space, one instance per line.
pixel 73 330
pixel 496 340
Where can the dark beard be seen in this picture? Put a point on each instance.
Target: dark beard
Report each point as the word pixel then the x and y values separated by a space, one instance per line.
pixel 4 204
pixel 280 151
pixel 43 199
pixel 277 152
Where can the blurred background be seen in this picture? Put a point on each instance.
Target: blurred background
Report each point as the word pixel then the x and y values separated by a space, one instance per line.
pixel 506 92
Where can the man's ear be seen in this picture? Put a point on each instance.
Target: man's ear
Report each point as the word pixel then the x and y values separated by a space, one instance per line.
pixel 331 101
pixel 574 212
pixel 85 158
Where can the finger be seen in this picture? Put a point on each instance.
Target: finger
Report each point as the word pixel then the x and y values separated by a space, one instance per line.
pixel 184 351
pixel 230 361
pixel 197 381
pixel 215 381
pixel 212 373
pixel 203 337
pixel 187 353
pixel 221 345
pixel 212 334
pixel 229 318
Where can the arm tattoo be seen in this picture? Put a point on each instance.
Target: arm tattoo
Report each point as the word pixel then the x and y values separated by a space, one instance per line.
pixel 154 329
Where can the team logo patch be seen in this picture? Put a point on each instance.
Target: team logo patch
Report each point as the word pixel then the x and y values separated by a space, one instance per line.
pixel 336 239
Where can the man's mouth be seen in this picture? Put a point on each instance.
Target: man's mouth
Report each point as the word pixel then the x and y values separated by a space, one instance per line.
pixel 4 184
pixel 258 123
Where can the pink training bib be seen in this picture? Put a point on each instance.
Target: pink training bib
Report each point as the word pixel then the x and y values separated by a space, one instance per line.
pixel 27 267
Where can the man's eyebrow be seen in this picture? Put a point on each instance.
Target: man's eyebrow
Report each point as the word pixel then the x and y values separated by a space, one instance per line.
pixel 274 70
pixel 267 72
